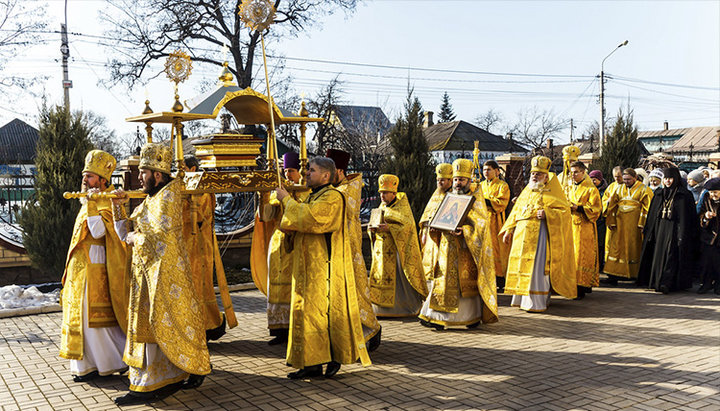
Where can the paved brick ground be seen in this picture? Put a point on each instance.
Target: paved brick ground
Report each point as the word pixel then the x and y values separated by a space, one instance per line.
pixel 618 348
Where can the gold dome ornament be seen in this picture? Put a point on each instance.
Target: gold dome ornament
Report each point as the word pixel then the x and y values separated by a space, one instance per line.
pixel 257 14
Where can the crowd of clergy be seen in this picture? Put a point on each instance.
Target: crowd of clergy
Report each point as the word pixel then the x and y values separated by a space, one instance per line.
pixel 138 293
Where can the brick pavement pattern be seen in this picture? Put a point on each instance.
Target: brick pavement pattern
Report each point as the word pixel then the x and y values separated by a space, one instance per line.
pixel 619 348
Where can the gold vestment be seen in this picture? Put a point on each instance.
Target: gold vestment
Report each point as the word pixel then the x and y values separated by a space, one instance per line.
pixel 402 240
pixel 200 251
pixel 325 320
pixel 428 247
pixel 626 213
pixel 272 262
pixel 584 231
pixel 163 307
pixel 560 264
pixel 609 191
pixel 351 188
pixel 107 284
pixel 497 192
pixel 464 265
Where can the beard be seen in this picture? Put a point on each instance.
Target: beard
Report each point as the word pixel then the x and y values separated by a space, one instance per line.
pixel 460 190
pixel 151 187
pixel 536 185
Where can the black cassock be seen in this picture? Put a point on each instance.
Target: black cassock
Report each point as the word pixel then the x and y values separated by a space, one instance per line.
pixel 671 243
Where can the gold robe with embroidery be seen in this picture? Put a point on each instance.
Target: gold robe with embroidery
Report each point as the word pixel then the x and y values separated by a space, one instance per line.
pixel 560 264
pixel 351 188
pixel 428 247
pixel 609 191
pixel 107 284
pixel 274 277
pixel 200 251
pixel 497 192
pixel 584 231
pixel 325 320
pixel 163 307
pixel 626 213
pixel 464 265
pixel 402 240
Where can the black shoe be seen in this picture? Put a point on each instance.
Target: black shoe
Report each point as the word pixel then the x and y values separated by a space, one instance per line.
pixel 664 289
pixel 425 323
pixel 609 281
pixel 279 339
pixel 215 333
pixel 168 390
pixel 473 325
pixel 332 368
pixel 193 382
pixel 307 372
pixel 374 342
pixel 580 293
pixel 705 288
pixel 134 398
pixel 437 327
pixel 87 377
pixel 717 288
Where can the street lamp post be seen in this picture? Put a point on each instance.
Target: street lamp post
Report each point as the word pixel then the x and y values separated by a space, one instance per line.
pixel 602 95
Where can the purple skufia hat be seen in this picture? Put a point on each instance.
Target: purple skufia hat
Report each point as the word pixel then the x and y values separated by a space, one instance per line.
pixel 291 159
pixel 596 174
pixel 712 184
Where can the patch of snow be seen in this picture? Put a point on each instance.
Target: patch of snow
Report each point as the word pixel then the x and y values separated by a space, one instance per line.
pixel 15 296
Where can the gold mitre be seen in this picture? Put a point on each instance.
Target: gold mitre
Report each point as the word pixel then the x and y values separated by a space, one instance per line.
pixel 156 157
pixel 571 153
pixel 540 164
pixel 462 167
pixel 100 163
pixel 444 170
pixel 388 182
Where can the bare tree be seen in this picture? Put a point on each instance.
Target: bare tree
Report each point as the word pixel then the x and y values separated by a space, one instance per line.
pixel 534 127
pixel 488 120
pixel 148 30
pixel 19 26
pixel 322 105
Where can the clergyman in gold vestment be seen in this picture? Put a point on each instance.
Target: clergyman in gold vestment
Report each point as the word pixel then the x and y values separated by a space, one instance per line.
pixel 586 208
pixel 542 252
pixel 443 176
pixel 95 288
pixel 200 248
pixel 497 197
pixel 625 218
pixel 350 185
pixel 166 325
pixel 325 326
pixel 270 255
pixel 463 290
pixel 397 282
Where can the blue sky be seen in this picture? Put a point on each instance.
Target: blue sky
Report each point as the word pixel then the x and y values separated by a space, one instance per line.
pixel 506 56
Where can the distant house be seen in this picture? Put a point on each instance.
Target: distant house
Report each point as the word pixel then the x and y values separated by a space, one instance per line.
pixel 687 145
pixel 456 139
pixel 361 120
pixel 18 142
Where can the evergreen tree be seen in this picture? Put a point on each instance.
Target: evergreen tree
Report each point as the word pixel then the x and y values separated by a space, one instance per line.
pixel 48 223
pixel 410 159
pixel 446 111
pixel 621 147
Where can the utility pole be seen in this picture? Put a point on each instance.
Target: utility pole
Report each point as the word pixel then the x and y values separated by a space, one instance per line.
pixel 571 131
pixel 65 50
pixel 602 96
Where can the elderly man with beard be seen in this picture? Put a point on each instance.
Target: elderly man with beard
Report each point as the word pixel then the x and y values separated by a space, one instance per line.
pixel 166 326
pixel 541 255
pixel 94 293
pixel 462 290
